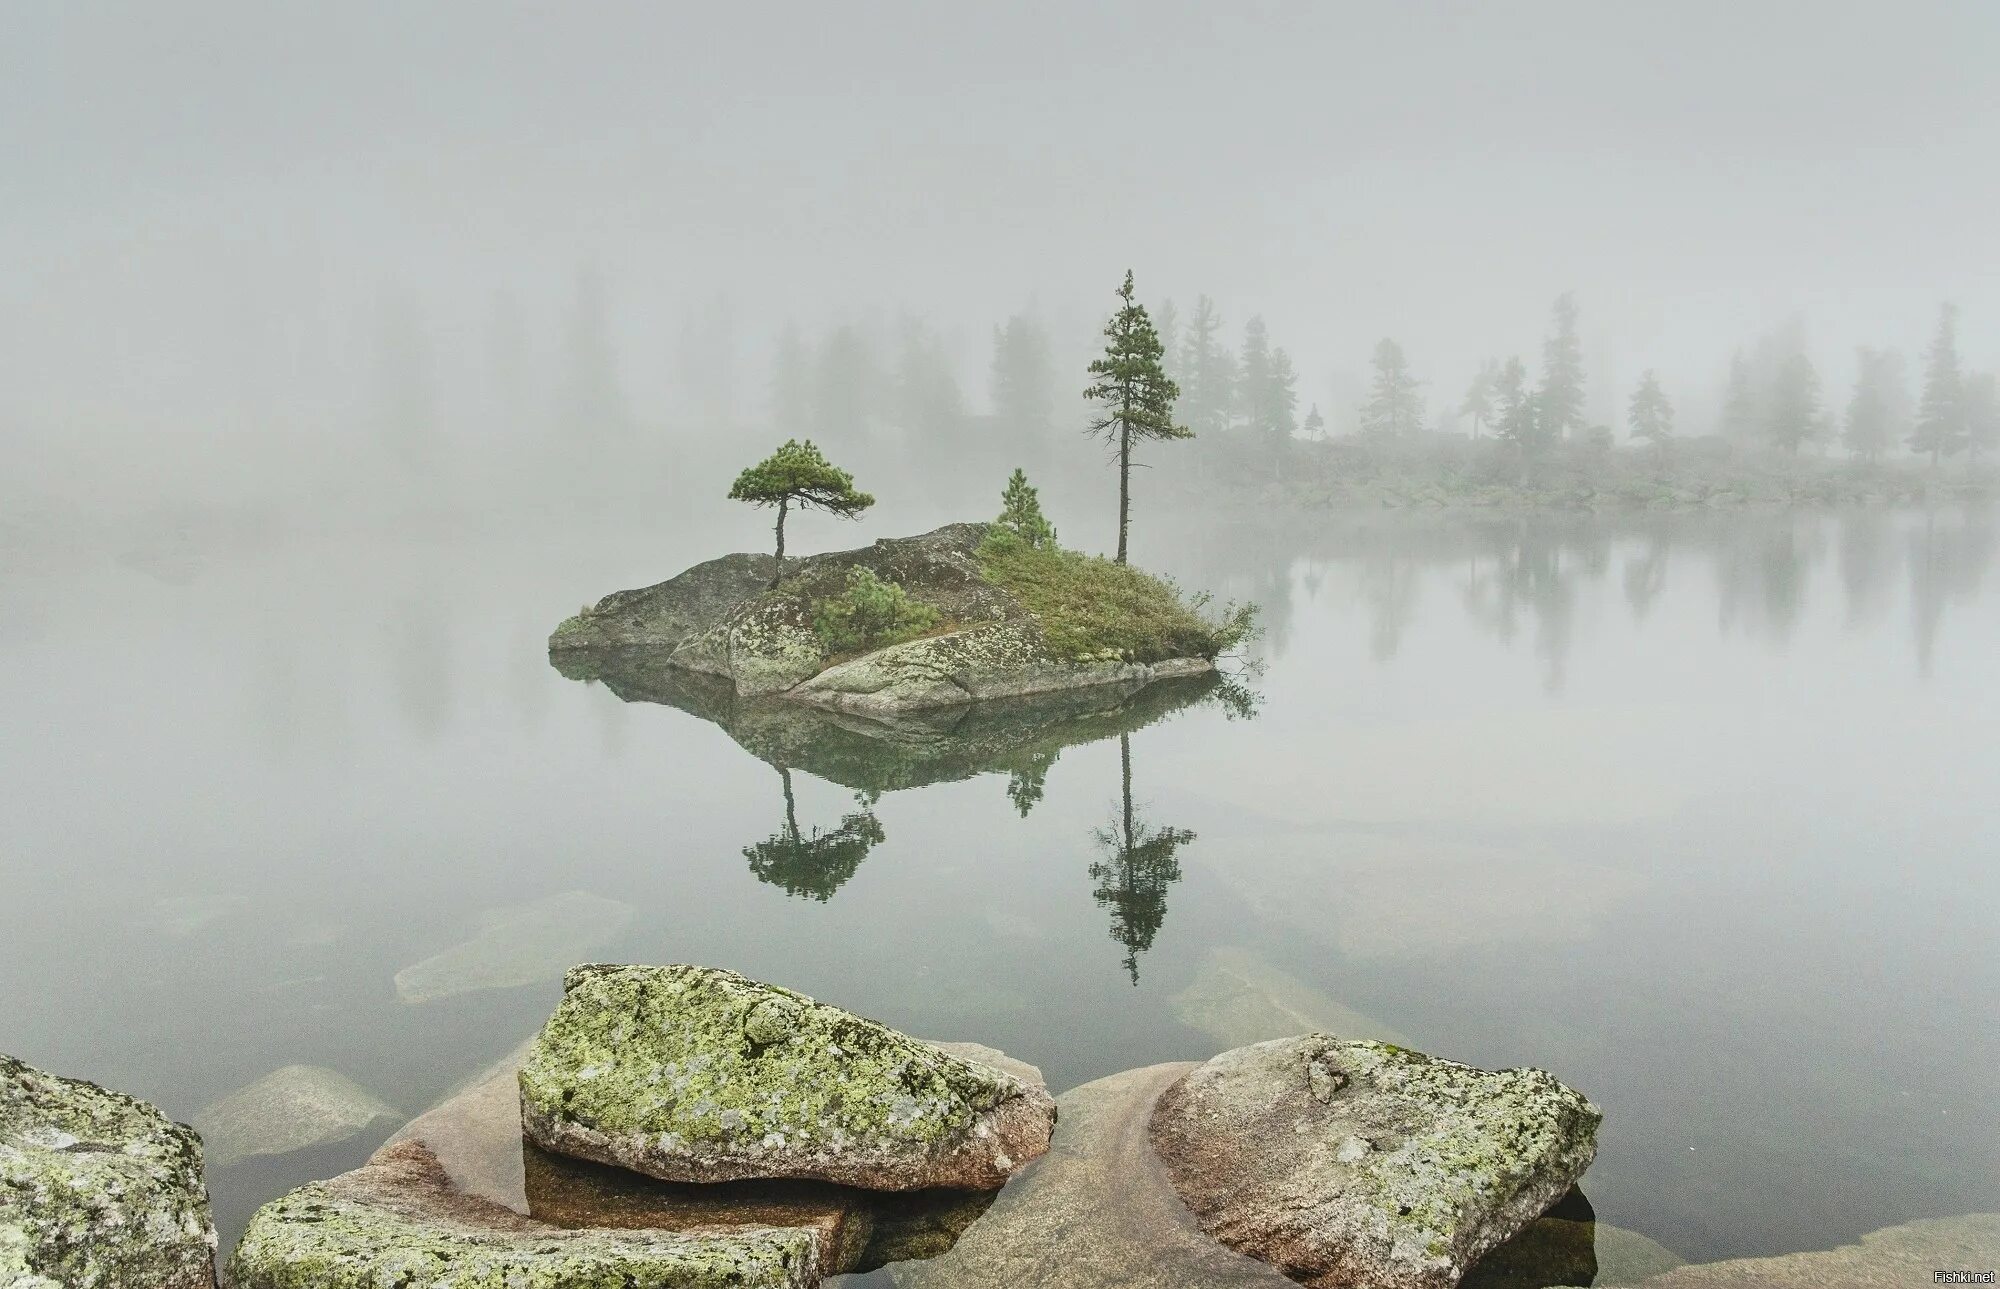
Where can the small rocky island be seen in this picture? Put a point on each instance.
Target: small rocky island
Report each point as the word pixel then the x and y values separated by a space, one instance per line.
pixel 966 613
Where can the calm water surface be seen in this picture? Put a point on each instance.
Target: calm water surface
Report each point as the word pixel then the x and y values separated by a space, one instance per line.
pixel 1696 812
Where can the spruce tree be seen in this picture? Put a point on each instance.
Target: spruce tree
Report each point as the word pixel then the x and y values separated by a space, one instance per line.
pixel 1516 412
pixel 1940 429
pixel 1794 414
pixel 1253 378
pixel 1650 415
pixel 1134 393
pixel 798 474
pixel 1561 393
pixel 1315 425
pixel 1478 401
pixel 1982 414
pixel 1024 381
pixel 1394 407
pixel 1870 426
pixel 1739 401
pixel 1208 370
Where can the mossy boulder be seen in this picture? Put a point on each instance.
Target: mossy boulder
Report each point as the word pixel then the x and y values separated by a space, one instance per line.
pixel 98 1190
pixel 1368 1166
pixel 696 1074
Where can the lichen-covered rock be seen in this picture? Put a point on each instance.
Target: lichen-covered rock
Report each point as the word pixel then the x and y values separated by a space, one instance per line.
pixel 994 660
pixel 288 1109
pixel 1367 1166
pixel 398 1221
pixel 97 1190
pixel 697 1074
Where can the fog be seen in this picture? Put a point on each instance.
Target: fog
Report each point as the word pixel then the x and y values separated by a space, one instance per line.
pixel 272 256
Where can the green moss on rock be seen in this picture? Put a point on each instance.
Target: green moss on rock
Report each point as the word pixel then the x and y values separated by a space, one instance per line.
pixel 98 1190
pixel 697 1074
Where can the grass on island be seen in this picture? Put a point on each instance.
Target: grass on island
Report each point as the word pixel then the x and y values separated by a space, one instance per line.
pixel 1091 608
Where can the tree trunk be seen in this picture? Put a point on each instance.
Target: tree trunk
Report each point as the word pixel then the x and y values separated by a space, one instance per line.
pixel 779 571
pixel 1124 486
pixel 791 810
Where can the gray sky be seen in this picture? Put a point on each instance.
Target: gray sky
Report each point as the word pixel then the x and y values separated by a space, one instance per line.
pixel 195 193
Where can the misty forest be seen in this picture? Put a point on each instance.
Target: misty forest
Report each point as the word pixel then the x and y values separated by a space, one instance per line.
pixel 904 647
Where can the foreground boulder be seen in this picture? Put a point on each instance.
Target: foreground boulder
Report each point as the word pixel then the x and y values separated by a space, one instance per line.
pixel 1367 1166
pixel 696 1074
pixel 97 1190
pixel 458 1200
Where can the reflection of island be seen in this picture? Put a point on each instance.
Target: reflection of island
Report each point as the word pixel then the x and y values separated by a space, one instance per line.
pixel 1140 867
pixel 1017 737
pixel 818 863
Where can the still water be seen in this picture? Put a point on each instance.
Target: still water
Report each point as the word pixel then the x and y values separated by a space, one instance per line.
pixel 1697 812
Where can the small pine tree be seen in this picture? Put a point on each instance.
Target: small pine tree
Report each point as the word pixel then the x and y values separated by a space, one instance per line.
pixel 1021 512
pixel 1137 397
pixel 798 473
pixel 1315 425
pixel 1650 415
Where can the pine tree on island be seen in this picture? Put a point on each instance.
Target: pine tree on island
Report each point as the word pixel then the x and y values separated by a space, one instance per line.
pixel 1136 396
pixel 797 473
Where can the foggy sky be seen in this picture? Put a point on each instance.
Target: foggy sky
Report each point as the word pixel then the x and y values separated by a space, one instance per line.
pixel 200 199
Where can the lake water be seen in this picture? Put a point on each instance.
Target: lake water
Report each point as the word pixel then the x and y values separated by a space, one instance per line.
pixel 1696 812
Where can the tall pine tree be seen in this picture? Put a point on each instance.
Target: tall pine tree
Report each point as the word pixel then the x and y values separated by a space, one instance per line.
pixel 1871 407
pixel 1024 382
pixel 1477 405
pixel 1794 415
pixel 1134 394
pixel 1208 370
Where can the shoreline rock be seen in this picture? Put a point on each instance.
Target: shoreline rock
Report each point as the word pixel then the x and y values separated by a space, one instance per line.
pixel 1368 1166
pixel 695 1074
pixel 101 1190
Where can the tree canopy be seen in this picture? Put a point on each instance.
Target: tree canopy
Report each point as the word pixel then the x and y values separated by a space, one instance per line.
pixel 797 473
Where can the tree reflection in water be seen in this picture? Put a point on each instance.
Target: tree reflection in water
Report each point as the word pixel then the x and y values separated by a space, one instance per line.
pixel 815 864
pixel 1142 865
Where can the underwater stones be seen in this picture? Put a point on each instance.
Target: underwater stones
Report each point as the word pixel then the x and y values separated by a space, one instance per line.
pixel 1886 1259
pixel 518 944
pixel 398 1221
pixel 288 1109
pixel 97 1190
pixel 696 1074
pixel 1368 1166
pixel 1237 998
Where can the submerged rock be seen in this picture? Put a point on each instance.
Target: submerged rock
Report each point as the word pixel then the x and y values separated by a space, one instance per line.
pixel 697 1074
pixel 1237 998
pixel 1890 1258
pixel 1098 1212
pixel 1364 1165
pixel 288 1109
pixel 519 944
pixel 97 1190
pixel 717 619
